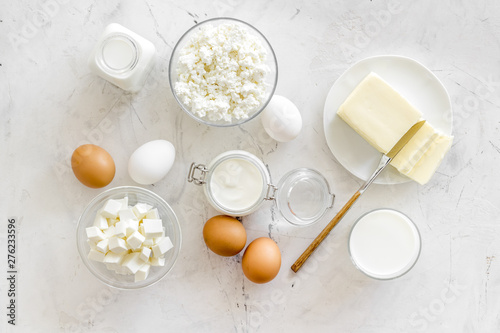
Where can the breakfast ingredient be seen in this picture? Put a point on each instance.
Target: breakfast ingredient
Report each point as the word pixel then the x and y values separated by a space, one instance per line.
pixel 262 260
pixel 221 73
pixel 236 184
pixel 93 166
pixel 384 243
pixel 378 113
pixel 224 235
pixel 151 162
pixel 281 119
pixel 423 154
pixel 128 243
pixel 123 58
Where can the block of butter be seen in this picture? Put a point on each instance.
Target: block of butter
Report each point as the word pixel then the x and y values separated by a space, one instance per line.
pixel 421 156
pixel 382 116
pixel 378 113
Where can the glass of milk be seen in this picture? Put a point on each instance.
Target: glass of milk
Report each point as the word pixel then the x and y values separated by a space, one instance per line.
pixel 384 244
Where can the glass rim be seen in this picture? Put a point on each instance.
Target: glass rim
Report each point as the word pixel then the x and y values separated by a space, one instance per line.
pixel 398 273
pixel 172 81
pixel 129 67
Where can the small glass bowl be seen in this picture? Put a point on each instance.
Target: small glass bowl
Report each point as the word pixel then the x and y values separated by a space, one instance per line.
pixel 393 274
pixel 135 195
pixel 271 62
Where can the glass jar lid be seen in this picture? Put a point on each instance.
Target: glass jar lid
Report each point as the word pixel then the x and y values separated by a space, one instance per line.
pixel 303 196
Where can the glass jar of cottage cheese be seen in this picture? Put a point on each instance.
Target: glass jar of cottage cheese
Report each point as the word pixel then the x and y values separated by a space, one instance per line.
pixel 236 183
pixel 123 58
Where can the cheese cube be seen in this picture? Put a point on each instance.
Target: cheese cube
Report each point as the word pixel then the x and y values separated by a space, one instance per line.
pixel 124 202
pixel 121 229
pixel 103 246
pixel 113 258
pixel 156 240
pixel 96 255
pixel 378 113
pixel 117 245
pixel 132 225
pixel 111 208
pixel 110 232
pixel 140 210
pixel 152 228
pixel 126 214
pixel 142 273
pixel 135 240
pixel 162 247
pixel 94 234
pixel 157 261
pixel 92 244
pixel 145 253
pixel 132 262
pixel 101 222
pixel 152 214
pixel 148 242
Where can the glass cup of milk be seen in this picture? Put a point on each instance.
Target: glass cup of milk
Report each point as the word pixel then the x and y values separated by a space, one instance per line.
pixel 384 244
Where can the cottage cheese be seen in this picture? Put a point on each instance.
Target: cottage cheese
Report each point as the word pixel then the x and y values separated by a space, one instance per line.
pixel 221 73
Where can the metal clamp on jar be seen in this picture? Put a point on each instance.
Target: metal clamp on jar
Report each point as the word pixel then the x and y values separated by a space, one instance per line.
pixel 236 183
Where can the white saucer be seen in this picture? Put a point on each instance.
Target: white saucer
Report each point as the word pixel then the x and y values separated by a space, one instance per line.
pixel 412 80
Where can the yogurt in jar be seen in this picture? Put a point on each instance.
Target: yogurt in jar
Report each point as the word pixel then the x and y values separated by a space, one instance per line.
pixel 236 184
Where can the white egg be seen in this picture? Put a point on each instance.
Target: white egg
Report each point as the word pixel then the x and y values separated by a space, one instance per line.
pixel 151 161
pixel 281 119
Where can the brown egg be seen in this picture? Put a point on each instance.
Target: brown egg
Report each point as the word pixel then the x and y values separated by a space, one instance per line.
pixel 224 235
pixel 262 260
pixel 93 166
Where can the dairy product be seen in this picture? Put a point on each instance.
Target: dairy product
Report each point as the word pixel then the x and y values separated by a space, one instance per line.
pixel 236 184
pixel 130 243
pixel 384 244
pixel 422 155
pixel 122 57
pixel 221 73
pixel 382 116
pixel 378 113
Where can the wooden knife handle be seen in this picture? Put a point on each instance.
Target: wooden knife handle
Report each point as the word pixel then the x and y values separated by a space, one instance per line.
pixel 307 253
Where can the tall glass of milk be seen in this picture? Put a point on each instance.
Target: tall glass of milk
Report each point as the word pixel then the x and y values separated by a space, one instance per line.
pixel 384 244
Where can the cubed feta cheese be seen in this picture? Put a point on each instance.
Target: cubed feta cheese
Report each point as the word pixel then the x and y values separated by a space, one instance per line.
pixel 145 253
pixel 110 232
pixel 121 229
pixel 126 214
pixel 111 208
pixel 132 225
pixel 94 234
pixel 148 242
pixel 152 214
pixel 117 245
pixel 162 247
pixel 101 222
pixel 142 273
pixel 135 240
pixel 152 228
pixel 132 262
pixel 157 261
pixel 141 209
pixel 96 255
pixel 103 246
pixel 113 258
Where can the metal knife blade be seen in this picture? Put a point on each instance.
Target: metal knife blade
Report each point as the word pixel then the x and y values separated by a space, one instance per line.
pixel 405 139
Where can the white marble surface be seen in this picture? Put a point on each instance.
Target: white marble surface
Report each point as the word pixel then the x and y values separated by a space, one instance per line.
pixel 50 103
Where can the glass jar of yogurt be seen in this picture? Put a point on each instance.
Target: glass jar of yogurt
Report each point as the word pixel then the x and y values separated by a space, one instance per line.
pixel 236 183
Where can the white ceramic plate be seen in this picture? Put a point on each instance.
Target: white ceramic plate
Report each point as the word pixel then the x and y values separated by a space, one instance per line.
pixel 412 80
